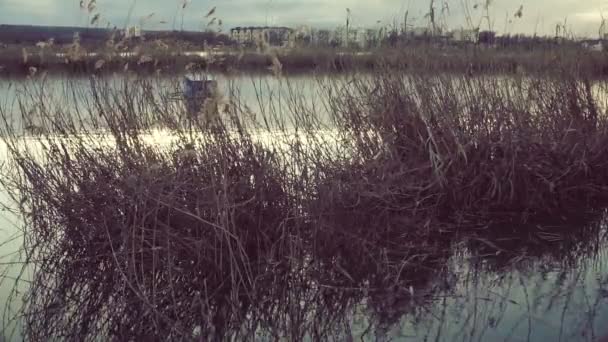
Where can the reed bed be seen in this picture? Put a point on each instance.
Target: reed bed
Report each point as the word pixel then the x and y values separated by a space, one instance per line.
pixel 467 149
pixel 217 234
pixel 158 58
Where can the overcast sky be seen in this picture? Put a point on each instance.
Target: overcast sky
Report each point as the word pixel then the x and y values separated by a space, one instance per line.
pixel 583 17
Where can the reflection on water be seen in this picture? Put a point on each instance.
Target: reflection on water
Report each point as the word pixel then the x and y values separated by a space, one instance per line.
pixel 476 287
pixel 489 288
pixel 535 298
pixel 255 94
pixel 533 284
pixel 13 276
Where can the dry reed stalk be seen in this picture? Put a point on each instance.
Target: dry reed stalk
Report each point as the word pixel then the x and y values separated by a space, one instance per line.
pixel 216 235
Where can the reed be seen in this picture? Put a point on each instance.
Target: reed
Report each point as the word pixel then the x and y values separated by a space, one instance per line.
pixel 164 57
pixel 143 220
pixel 463 148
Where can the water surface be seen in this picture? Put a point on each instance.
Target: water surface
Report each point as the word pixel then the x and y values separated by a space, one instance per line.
pixel 483 288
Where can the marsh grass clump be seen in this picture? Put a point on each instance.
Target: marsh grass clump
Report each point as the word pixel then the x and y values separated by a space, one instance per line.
pixel 183 226
pixel 144 220
pixel 560 246
pixel 134 240
pixel 470 150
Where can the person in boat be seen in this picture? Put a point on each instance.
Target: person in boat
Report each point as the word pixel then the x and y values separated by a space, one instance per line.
pixel 205 87
pixel 200 96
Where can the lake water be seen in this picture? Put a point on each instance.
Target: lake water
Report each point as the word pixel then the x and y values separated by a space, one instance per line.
pixel 263 95
pixel 510 289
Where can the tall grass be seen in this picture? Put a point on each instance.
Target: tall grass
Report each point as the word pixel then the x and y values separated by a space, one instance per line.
pixel 463 149
pixel 143 220
pixel 160 56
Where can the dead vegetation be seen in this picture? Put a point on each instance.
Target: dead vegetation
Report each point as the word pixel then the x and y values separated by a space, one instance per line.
pixel 145 222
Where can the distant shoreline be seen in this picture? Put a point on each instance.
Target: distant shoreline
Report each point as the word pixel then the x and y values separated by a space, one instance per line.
pixel 13 63
pixel 26 50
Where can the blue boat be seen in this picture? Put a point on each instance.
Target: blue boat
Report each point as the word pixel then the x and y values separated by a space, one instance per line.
pixel 196 91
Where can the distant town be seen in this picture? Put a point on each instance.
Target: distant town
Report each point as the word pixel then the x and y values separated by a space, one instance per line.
pixel 343 36
pixel 367 38
pixel 302 36
pixel 26 50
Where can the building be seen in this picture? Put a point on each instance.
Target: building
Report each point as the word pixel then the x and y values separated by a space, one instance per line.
pixel 322 37
pixel 255 35
pixel 373 38
pixel 421 32
pixel 133 32
pixel 465 35
pixel 303 36
pixel 359 37
pixel 338 37
pixel 593 44
pixel 304 30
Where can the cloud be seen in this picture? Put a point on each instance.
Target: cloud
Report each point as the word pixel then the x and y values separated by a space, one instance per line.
pixel 539 15
pixel 592 16
pixel 38 12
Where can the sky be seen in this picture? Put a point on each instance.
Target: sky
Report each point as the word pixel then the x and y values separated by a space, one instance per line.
pixel 582 17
